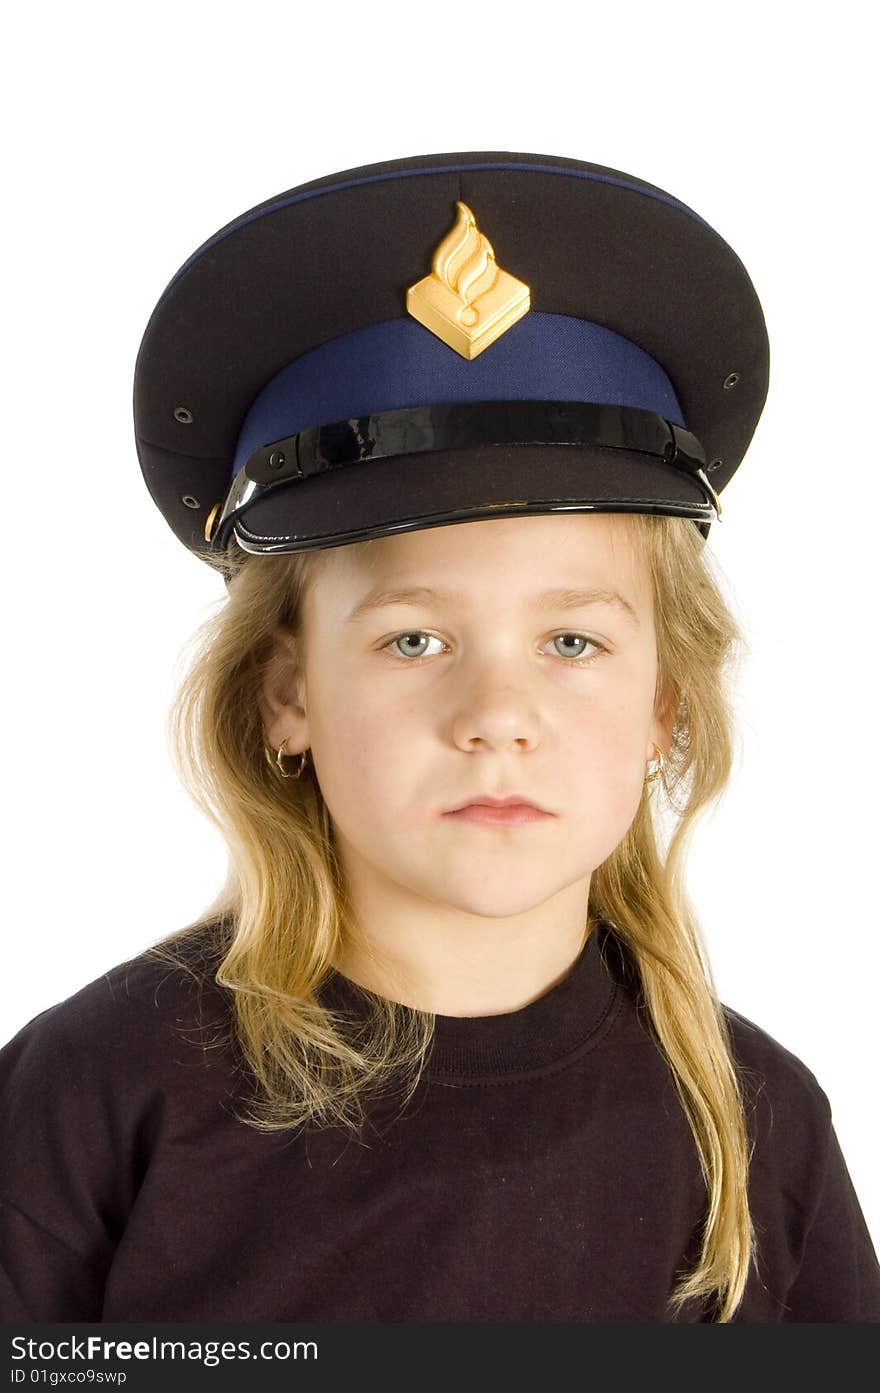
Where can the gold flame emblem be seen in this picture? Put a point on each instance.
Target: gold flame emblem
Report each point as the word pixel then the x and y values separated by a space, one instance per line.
pixel 467 300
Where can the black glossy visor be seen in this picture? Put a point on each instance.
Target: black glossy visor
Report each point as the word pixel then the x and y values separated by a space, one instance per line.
pixel 557 456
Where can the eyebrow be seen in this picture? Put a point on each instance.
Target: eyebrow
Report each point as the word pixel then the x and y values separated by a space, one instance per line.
pixel 562 597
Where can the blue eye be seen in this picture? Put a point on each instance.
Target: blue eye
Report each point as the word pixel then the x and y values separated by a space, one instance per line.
pixel 417 638
pixel 578 657
pixel 418 635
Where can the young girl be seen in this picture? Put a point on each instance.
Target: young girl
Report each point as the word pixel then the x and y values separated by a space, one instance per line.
pixel 447 1045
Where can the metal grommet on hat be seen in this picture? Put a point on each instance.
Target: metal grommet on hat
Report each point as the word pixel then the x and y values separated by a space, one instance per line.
pixel 444 338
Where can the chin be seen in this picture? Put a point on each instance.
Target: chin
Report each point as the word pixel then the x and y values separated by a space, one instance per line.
pixel 503 903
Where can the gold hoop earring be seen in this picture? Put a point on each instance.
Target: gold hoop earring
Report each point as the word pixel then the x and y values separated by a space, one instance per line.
pixel 649 778
pixel 275 760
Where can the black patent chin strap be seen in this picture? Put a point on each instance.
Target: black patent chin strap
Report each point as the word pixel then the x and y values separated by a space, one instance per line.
pixel 466 425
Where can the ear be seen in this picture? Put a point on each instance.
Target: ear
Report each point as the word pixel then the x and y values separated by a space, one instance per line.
pixel 281 691
pixel 661 725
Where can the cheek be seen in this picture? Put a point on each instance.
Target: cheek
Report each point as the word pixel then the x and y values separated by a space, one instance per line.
pixel 357 746
pixel 607 759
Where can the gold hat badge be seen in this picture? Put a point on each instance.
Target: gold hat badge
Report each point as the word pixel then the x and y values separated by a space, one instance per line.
pixel 467 300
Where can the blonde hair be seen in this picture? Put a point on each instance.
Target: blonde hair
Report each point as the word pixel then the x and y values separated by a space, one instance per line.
pixel 282 916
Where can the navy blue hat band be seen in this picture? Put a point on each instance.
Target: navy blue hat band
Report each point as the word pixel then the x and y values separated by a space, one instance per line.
pixel 397 363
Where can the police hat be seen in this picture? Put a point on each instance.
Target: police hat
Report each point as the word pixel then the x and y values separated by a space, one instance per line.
pixel 443 338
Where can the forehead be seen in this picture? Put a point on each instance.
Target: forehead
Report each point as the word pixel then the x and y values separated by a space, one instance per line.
pixel 514 556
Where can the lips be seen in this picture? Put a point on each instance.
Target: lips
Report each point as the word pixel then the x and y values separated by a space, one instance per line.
pixel 487 800
pixel 514 813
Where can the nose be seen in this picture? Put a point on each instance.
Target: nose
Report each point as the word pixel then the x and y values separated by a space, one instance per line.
pixel 496 711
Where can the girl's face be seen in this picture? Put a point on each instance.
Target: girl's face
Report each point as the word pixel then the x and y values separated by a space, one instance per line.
pixel 413 706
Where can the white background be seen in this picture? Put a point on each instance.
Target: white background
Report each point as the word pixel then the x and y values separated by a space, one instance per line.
pixel 134 133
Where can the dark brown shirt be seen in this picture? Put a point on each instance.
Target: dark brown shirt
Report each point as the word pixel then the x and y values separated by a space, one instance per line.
pixel 543 1171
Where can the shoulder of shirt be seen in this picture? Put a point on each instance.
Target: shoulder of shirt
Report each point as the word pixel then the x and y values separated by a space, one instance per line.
pixel 775 1079
pixel 138 1003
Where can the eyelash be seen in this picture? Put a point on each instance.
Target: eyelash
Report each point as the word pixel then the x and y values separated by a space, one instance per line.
pixel 568 633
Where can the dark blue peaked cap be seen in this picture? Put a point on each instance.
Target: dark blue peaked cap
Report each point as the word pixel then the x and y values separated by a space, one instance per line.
pixel 443 338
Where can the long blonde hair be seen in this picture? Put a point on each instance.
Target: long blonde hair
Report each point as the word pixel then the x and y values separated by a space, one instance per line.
pixel 282 916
